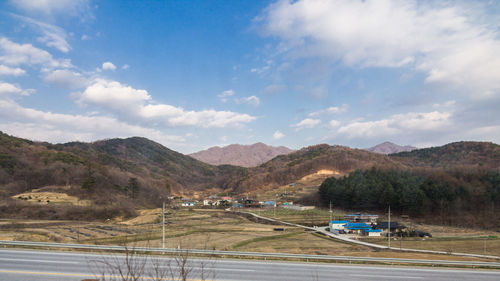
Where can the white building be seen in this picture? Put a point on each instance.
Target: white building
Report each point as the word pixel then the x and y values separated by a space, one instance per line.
pixel 337 225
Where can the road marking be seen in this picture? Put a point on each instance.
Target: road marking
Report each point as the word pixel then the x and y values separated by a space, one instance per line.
pixel 73 274
pixel 386 276
pixel 213 269
pixel 41 261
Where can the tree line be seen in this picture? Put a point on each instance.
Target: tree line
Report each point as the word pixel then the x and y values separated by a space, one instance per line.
pixel 443 195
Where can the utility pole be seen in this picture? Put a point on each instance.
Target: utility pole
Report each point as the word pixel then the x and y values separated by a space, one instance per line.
pixel 163 226
pixel 484 245
pixel 331 212
pixel 389 228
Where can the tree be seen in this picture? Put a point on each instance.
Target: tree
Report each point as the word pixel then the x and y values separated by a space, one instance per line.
pixel 133 186
pixel 90 180
pixel 134 266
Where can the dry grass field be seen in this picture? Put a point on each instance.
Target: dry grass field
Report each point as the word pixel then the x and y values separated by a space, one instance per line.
pixel 217 229
pixel 40 196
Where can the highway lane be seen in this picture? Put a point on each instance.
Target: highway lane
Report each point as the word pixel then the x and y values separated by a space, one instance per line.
pixel 29 265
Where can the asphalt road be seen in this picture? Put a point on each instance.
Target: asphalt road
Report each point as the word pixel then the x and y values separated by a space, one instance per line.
pixel 29 265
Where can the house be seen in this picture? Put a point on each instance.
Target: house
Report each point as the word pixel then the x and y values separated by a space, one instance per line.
pixel 356 227
pixel 250 203
pixel 372 219
pixel 337 225
pixel 188 204
pixel 269 203
pixel 373 232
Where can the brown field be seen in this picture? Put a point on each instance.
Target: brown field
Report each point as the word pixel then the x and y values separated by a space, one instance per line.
pixel 216 229
pixel 47 196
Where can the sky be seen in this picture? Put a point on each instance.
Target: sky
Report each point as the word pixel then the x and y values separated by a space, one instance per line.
pixel 196 74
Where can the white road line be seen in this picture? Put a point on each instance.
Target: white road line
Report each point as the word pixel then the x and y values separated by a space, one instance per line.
pixel 41 261
pixel 386 276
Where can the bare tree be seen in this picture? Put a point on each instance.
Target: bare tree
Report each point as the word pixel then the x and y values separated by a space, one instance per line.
pixel 128 267
pixel 133 265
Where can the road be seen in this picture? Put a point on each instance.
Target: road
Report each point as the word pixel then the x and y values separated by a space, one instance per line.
pixel 29 265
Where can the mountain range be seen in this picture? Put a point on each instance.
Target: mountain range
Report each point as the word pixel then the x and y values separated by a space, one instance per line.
pixel 240 155
pixel 139 172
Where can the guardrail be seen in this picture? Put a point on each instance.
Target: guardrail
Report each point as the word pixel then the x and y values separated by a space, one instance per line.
pixel 349 259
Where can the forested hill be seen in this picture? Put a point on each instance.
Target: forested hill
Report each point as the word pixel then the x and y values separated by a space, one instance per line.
pixel 467 155
pixel 139 172
pixel 285 169
pixel 465 199
pixel 103 171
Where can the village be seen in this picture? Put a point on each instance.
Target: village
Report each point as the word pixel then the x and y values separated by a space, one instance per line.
pixel 357 225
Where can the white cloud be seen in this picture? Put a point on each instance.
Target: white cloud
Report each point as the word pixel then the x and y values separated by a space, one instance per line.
pixel 334 123
pixel 397 124
pixel 137 105
pixel 114 96
pixel 224 95
pixel 278 135
pixel 15 54
pixel 51 7
pixel 53 36
pixel 35 124
pixel 447 41
pixel 66 79
pixel 252 100
pixel 330 110
pixel 85 37
pixel 125 66
pixel 5 70
pixel 274 89
pixel 263 69
pixel 108 66
pixel 307 123
pixel 7 89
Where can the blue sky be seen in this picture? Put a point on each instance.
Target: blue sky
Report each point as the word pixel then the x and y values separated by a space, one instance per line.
pixel 195 74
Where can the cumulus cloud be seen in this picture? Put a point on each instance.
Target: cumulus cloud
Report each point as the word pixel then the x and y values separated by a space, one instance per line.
pixel 446 41
pixel 13 71
pixel 15 54
pixel 35 124
pixel 397 124
pixel 307 123
pixel 125 66
pixel 66 79
pixel 330 110
pixel 252 100
pixel 108 66
pixel 224 95
pixel 278 135
pixel 7 89
pixel 137 105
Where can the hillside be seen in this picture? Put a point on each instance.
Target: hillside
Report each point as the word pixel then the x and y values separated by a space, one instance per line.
pixel 114 177
pixel 240 155
pixel 389 148
pixel 286 169
pixel 458 155
pixel 120 173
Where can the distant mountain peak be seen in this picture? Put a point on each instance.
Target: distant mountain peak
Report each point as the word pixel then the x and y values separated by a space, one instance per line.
pixel 240 155
pixel 388 147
